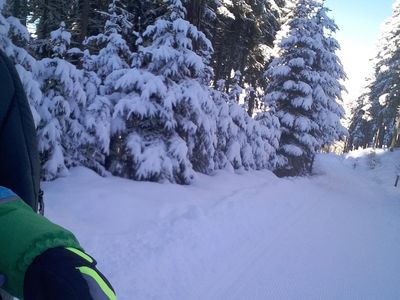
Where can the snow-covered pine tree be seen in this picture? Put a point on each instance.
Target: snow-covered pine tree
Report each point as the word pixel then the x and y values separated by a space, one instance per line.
pixel 110 52
pixel 254 138
pixel 144 13
pixel 13 36
pixel 303 86
pixel 252 25
pixel 270 135
pixel 243 122
pixel 151 149
pixel 97 118
pixel 227 152
pixel 179 54
pixel 327 92
pixel 202 14
pixel 61 131
pixel 360 131
pixel 47 15
pixel 235 90
pixel 379 104
pixel 250 100
pixel 385 100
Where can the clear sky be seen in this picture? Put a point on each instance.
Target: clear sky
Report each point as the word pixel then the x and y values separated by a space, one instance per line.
pixel 359 22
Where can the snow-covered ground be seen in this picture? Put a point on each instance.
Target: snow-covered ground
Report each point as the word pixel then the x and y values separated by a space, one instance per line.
pixel 335 235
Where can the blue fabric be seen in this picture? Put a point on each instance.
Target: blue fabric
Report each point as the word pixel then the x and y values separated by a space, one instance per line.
pixel 5 193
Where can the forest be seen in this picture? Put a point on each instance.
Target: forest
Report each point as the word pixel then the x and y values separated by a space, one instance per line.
pixel 158 90
pixel 375 116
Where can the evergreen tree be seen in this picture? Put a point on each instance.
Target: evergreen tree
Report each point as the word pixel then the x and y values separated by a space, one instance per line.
pixel 384 95
pixel 243 36
pixel 270 134
pixel 111 53
pixel 98 118
pixel 13 37
pixel 19 9
pixel 61 131
pixel 87 19
pixel 360 131
pixel 380 103
pixel 111 50
pixel 150 147
pixel 243 122
pixel 235 90
pixel 227 154
pixel 304 87
pixel 327 92
pixel 255 137
pixel 145 13
pixel 44 17
pixel 179 53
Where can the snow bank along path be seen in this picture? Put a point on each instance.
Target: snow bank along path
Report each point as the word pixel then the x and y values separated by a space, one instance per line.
pixel 335 235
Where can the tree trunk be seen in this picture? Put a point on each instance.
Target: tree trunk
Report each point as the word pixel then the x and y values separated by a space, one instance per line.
pixel 378 141
pixel 84 20
pixel 19 10
pixel 252 103
pixel 195 12
pixel 43 30
pixel 396 135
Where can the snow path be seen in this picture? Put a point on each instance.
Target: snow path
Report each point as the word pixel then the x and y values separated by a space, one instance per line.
pixel 335 235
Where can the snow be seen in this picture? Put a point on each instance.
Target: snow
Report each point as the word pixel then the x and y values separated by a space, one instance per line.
pixel 334 235
pixel 223 10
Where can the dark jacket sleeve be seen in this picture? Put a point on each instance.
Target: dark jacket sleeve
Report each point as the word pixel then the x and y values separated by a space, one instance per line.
pixel 20 164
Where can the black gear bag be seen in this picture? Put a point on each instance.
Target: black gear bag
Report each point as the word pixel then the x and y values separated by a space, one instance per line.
pixel 19 157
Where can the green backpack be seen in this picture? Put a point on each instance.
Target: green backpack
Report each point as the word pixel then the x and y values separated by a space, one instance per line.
pixel 19 157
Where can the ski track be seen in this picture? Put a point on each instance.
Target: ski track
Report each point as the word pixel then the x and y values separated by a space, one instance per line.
pixel 335 235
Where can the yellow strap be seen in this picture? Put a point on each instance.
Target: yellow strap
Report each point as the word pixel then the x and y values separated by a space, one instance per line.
pixel 103 285
pixel 81 254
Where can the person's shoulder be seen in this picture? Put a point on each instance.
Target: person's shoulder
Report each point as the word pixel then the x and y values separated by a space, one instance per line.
pixel 5 62
pixel 7 87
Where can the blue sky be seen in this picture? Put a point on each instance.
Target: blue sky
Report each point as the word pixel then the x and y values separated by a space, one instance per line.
pixel 359 22
pixel 360 19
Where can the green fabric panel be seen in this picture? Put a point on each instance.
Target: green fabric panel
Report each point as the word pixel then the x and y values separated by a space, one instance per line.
pixel 23 236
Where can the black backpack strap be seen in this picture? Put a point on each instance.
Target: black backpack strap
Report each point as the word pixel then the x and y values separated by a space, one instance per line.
pixel 19 157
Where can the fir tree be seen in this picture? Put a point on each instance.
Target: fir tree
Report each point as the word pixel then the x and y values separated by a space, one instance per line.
pixel 97 118
pixel 150 147
pixel 327 92
pixel 385 90
pixel 380 103
pixel 267 152
pixel 243 35
pixel 227 154
pixel 179 53
pixel 235 90
pixel 13 37
pixel 242 120
pixel 110 52
pixel 61 129
pixel 360 131
pixel 303 87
